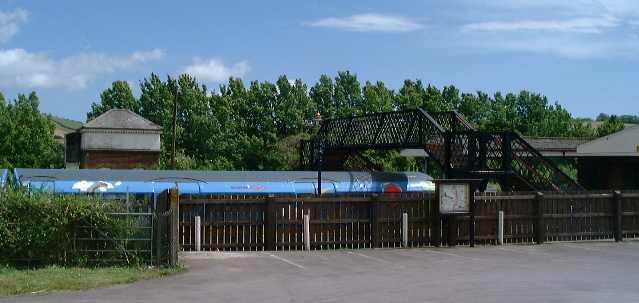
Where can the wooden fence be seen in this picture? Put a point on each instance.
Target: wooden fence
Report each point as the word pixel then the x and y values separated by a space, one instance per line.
pixel 362 221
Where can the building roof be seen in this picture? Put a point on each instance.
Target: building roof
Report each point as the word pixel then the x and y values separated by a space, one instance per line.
pixel 121 119
pixel 555 144
pixel 624 143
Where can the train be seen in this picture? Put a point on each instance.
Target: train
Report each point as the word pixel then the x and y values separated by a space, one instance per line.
pixel 137 181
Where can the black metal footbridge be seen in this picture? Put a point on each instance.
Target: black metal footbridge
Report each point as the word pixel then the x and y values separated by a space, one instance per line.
pixel 460 149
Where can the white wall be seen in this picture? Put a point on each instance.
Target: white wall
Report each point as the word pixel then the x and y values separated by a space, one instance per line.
pixel 120 141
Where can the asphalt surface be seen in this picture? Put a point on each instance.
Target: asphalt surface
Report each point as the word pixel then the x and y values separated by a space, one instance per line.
pixel 557 272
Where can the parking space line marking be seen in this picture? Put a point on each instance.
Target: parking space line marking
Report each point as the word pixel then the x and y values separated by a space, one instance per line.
pixel 368 257
pixel 450 254
pixel 579 246
pixel 524 251
pixel 287 261
pixel 606 250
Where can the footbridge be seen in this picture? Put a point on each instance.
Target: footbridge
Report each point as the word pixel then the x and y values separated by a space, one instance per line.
pixel 460 149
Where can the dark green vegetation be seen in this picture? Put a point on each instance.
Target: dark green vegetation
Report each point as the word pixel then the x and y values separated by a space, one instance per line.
pixel 40 228
pixel 257 125
pixel 26 281
pixel 26 136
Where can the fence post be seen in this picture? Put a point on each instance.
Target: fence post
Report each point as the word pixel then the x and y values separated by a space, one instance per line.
pixel 616 197
pixel 471 227
pixel 540 231
pixel 307 231
pixel 375 213
pixel 436 224
pixel 174 243
pixel 269 224
pixel 452 230
pixel 198 234
pixel 405 229
pixel 500 227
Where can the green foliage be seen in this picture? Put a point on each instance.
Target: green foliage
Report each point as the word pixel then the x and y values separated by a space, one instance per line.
pixel 40 227
pixel 256 125
pixel 27 135
pixel 610 125
pixel 119 95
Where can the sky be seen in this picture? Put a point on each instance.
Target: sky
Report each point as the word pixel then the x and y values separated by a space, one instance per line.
pixel 583 54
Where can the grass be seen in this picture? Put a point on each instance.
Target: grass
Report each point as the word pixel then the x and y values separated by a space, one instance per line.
pixel 31 281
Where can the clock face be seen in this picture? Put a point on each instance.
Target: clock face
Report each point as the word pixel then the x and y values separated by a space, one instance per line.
pixel 454 198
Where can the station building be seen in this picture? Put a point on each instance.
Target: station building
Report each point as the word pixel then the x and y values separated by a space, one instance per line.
pixel 119 139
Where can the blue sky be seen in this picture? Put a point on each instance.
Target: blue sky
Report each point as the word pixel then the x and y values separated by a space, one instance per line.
pixel 582 53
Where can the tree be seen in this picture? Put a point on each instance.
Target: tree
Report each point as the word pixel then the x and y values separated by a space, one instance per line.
pixel 610 126
pixel 119 95
pixel 322 94
pixel 377 98
pixel 348 95
pixel 256 125
pixel 27 135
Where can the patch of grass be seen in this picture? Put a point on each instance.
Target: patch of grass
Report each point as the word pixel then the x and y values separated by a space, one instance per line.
pixel 26 281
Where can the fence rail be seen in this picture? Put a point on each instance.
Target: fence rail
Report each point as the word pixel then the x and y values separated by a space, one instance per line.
pixel 230 223
pixel 130 241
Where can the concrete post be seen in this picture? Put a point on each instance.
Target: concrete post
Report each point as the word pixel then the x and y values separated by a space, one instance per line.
pixel 405 229
pixel 307 231
pixel 198 234
pixel 500 228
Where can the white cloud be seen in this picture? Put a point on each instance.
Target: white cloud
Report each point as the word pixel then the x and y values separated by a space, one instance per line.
pixel 573 48
pixel 571 29
pixel 576 25
pixel 214 70
pixel 10 23
pixel 369 23
pixel 21 68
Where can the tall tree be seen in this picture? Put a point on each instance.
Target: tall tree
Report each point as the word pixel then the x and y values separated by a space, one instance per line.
pixel 322 94
pixel 27 135
pixel 119 95
pixel 377 98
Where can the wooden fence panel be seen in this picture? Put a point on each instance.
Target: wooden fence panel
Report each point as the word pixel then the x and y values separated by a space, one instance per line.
pixel 225 225
pixel 579 217
pixel 519 218
pixel 364 220
pixel 630 219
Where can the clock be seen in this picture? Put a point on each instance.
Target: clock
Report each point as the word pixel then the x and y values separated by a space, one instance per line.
pixel 454 198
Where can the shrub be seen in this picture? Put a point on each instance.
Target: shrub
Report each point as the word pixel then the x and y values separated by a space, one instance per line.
pixel 40 228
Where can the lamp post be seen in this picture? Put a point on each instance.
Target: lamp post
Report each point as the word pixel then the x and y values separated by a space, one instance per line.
pixel 175 108
pixel 318 149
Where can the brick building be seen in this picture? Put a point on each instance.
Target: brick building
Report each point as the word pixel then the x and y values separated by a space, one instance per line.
pixel 118 139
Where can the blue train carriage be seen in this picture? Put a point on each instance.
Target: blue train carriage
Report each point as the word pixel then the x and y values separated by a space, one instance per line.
pixel 145 185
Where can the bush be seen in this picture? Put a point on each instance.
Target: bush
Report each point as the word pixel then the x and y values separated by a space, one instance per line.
pixel 39 228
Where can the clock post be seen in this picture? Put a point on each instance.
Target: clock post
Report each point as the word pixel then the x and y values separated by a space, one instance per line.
pixel 455 197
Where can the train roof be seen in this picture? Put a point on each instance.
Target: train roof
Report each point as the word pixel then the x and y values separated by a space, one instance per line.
pixel 147 181
pixel 31 174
